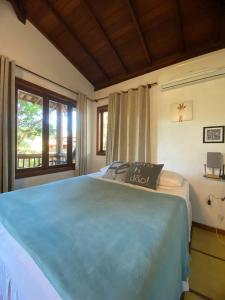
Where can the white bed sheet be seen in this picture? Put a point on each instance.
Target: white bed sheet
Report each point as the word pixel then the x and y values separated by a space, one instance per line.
pixel 21 278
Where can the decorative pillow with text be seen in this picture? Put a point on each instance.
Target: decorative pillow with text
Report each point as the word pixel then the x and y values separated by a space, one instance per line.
pixel 144 174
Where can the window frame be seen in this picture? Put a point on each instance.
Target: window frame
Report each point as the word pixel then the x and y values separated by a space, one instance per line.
pixel 47 96
pixel 99 135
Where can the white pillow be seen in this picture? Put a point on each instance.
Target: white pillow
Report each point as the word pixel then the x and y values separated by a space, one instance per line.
pixel 104 169
pixel 169 178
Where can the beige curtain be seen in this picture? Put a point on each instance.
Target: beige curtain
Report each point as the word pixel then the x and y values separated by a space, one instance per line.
pixel 81 153
pixel 7 124
pixel 129 126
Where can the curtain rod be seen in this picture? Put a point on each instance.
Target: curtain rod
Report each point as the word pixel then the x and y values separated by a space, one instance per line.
pixel 49 80
pixel 149 85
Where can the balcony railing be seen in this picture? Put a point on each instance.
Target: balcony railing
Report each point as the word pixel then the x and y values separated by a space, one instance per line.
pixel 25 161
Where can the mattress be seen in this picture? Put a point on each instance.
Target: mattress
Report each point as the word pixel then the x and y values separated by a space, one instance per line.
pixel 16 283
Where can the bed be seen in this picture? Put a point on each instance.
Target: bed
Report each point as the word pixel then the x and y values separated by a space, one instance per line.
pixel 94 239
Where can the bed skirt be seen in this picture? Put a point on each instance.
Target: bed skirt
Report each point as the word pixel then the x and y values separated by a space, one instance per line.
pixel 8 289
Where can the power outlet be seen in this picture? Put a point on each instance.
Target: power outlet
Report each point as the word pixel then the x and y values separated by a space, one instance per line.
pixel 210 200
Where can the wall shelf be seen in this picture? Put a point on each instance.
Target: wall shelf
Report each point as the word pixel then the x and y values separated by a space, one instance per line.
pixel 216 179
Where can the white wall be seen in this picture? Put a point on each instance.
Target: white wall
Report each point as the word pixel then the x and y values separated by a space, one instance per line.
pixel 181 148
pixel 30 49
pixel 179 145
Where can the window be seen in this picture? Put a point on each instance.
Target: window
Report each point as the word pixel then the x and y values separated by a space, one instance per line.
pixel 45 131
pixel 102 122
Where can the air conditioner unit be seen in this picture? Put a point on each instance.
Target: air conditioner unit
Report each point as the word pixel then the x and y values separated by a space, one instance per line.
pixel 193 79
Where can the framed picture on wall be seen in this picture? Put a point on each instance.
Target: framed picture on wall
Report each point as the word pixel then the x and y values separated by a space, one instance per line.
pixel 213 134
pixel 181 112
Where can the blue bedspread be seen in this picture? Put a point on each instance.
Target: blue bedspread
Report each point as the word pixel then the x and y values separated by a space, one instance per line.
pixel 96 240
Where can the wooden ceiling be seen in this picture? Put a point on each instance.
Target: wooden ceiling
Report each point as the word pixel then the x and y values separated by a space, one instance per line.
pixel 110 41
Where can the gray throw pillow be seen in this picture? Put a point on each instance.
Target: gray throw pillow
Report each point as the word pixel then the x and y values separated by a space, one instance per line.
pixel 144 174
pixel 118 171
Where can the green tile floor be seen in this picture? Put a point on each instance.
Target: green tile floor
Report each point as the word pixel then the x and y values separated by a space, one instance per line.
pixel 207 279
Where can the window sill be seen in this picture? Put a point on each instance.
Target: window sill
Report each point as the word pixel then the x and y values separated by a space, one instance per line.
pixel 23 173
pixel 101 153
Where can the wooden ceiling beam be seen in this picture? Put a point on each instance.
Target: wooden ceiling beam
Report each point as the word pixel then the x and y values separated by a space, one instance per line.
pixel 180 25
pixel 19 8
pixel 138 29
pixel 220 12
pixel 164 62
pixel 100 26
pixel 74 35
pixel 61 49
